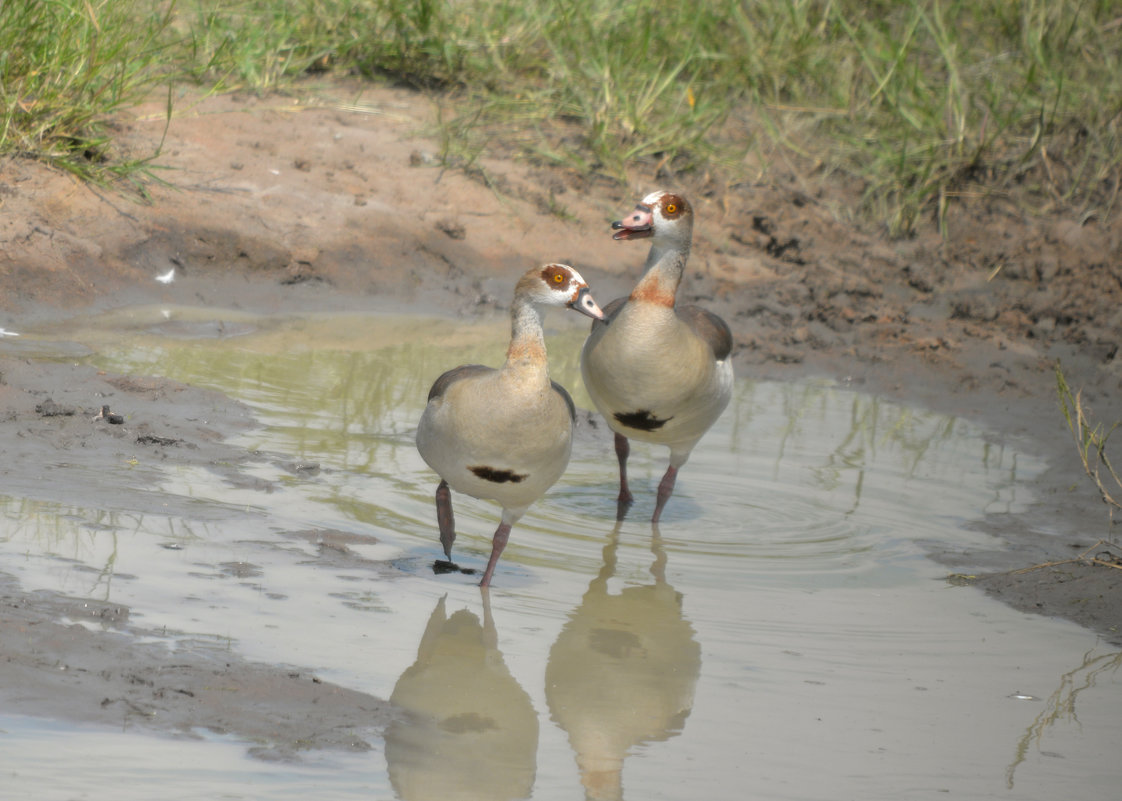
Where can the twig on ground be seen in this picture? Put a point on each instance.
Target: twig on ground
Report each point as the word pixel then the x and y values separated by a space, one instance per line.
pixel 1116 561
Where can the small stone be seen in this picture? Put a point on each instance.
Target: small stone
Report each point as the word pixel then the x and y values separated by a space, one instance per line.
pixel 1047 266
pixel 49 408
pixel 453 228
pixel 1043 328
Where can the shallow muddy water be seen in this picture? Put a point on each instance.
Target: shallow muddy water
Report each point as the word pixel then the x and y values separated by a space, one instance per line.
pixel 781 635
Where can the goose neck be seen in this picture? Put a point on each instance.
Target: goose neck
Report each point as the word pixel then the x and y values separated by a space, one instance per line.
pixel 662 274
pixel 527 340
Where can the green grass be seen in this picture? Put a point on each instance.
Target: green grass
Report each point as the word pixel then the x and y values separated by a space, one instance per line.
pixel 917 104
pixel 65 69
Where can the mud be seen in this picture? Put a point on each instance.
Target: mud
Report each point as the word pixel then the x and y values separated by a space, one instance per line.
pixel 274 204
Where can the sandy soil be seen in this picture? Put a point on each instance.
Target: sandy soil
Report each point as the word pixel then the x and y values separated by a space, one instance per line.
pixel 278 205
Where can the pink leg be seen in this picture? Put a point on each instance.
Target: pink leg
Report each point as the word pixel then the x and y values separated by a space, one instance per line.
pixel 498 542
pixel 665 488
pixel 444 519
pixel 623 450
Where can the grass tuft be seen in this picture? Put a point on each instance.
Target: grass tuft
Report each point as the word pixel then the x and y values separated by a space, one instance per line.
pixel 65 69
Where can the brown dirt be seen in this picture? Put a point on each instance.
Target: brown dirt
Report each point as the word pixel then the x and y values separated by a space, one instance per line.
pixel 278 205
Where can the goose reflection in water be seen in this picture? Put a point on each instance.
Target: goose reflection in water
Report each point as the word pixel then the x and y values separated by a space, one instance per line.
pixel 468 730
pixel 622 672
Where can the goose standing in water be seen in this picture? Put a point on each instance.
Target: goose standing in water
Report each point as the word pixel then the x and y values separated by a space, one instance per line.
pixel 505 434
pixel 658 372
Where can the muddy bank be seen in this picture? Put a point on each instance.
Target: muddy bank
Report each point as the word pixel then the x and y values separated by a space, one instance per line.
pixel 284 206
pixel 82 661
pixel 76 436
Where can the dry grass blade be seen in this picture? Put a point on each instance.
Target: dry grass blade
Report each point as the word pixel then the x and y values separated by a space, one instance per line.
pixel 1114 561
pixel 1091 443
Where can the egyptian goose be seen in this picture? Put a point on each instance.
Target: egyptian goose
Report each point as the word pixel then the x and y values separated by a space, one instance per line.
pixel 658 372
pixel 505 435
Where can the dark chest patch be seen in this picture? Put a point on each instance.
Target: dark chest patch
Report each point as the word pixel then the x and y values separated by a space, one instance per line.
pixel 498 476
pixel 641 420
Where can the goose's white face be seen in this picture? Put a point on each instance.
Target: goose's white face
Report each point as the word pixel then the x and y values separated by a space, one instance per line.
pixel 561 285
pixel 656 212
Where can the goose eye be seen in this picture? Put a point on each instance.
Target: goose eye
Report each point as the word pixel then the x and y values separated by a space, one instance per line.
pixel 671 208
pixel 558 278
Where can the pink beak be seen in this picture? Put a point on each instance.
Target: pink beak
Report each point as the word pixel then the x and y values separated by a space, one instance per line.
pixel 637 226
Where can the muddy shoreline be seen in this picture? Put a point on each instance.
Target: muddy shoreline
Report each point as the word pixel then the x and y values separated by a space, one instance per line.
pixel 282 207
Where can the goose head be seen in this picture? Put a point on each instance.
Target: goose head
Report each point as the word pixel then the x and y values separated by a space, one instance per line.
pixel 558 285
pixel 662 215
